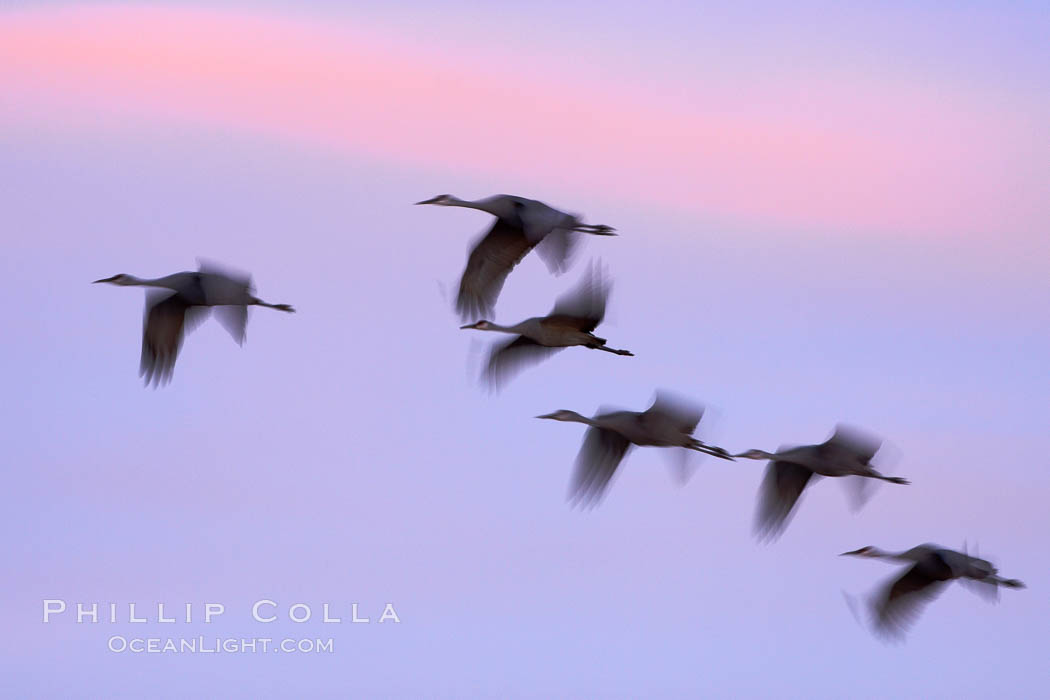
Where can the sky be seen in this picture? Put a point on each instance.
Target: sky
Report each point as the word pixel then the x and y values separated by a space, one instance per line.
pixel 826 214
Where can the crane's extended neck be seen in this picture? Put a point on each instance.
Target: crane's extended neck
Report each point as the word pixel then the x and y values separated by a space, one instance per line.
pixel 490 326
pixel 876 553
pixel 168 282
pixel 569 417
pixel 499 206
pixel 452 201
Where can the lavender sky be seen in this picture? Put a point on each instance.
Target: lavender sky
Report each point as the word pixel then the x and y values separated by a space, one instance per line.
pixel 826 215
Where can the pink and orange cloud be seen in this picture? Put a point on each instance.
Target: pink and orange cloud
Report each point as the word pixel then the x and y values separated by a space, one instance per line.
pixel 888 158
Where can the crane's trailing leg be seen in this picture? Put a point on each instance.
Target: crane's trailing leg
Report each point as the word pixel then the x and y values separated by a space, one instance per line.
pixel 891 479
pixel 710 450
pixel 596 229
pixel 614 351
pixel 280 307
pixel 599 344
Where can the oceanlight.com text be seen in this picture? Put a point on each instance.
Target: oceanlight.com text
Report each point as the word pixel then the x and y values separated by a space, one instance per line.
pixel 218 645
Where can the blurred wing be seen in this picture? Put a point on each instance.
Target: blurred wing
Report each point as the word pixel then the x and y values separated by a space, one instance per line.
pixel 584 305
pixel 683 464
pixel 900 604
pixel 985 588
pixel 537 219
pixel 854 441
pixel 222 286
pixel 557 249
pixel 670 410
pixel 507 359
pixel 859 490
pixel 234 319
pixel 489 263
pixel 600 455
pixel 239 277
pixel 167 318
pixel 851 603
pixel 781 488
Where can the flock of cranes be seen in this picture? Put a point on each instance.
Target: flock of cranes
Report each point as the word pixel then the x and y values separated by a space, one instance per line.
pixel 180 301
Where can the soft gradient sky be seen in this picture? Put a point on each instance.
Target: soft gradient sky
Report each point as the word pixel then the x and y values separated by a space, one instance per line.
pixel 827 214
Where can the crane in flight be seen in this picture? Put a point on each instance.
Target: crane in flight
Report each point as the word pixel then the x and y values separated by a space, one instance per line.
pixel 571 322
pixel 668 422
pixel 897 605
pixel 848 452
pixel 521 224
pixel 181 302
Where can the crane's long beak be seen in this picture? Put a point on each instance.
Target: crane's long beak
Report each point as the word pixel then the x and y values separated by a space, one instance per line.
pixel 429 201
pixel 548 415
pixel 107 279
pixel 469 325
pixel 854 551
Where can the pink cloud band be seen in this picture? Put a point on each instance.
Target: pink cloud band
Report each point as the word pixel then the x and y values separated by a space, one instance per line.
pixel 892 158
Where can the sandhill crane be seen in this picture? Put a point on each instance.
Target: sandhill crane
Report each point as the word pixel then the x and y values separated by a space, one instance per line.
pixel 569 323
pixel 668 422
pixel 170 313
pixel 847 452
pixel 899 603
pixel 521 225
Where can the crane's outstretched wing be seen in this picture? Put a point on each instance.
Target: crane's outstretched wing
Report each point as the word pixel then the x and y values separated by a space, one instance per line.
pixel 600 455
pixel 509 358
pixel 228 290
pixel 582 307
pixel 168 316
pixel 234 319
pixel 492 258
pixel 859 490
pixel 211 267
pixel 669 410
pixel 901 602
pixel 781 488
pixel 849 439
pixel 683 464
pixel 987 588
pixel 557 249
